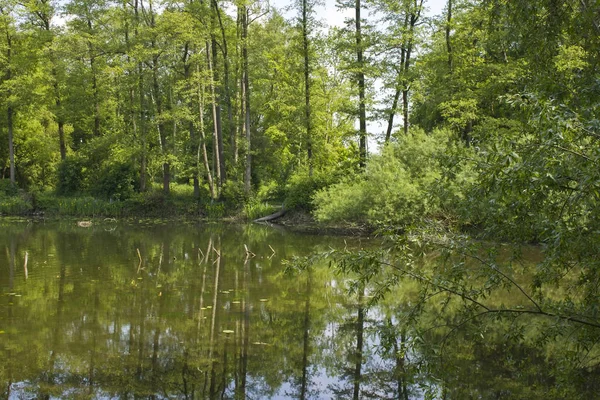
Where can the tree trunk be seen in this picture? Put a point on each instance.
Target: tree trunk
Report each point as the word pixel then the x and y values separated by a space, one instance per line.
pixel 216 115
pixel 142 105
pixel 217 87
pixel 388 133
pixel 231 129
pixel 362 113
pixel 94 84
pixel 448 43
pixel 192 133
pixel 202 145
pixel 246 94
pixel 307 110
pixel 162 133
pixel 9 113
pixel 11 147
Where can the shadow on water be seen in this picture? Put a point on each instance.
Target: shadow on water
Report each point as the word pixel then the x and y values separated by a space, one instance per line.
pixel 205 312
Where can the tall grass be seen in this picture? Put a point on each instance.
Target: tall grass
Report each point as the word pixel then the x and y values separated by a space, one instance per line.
pixel 14 205
pixel 255 209
pixel 80 206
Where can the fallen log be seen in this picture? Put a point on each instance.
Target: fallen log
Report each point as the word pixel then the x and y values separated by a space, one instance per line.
pixel 273 216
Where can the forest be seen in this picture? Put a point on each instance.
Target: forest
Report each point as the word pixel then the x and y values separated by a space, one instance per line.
pixel 464 137
pixel 482 115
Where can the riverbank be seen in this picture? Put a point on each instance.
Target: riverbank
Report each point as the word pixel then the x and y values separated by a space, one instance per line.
pixel 176 207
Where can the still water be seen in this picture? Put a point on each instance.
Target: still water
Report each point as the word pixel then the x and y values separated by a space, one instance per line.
pixel 133 310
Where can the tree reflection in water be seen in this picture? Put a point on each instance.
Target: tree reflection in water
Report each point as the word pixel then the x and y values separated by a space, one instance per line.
pixel 187 312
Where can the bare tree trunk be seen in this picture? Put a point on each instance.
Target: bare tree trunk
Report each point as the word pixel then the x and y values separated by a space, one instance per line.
pixel 410 21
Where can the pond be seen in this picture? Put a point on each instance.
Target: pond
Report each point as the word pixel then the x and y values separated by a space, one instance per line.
pixel 147 310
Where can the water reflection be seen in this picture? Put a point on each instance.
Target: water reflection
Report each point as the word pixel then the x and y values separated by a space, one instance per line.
pixel 205 312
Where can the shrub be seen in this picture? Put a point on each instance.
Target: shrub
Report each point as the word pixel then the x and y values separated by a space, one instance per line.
pixel 7 188
pixel 403 184
pixel 115 181
pixel 301 188
pixel 71 176
pixel 14 205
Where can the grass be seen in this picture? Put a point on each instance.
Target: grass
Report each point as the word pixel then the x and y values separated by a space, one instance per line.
pixel 254 210
pixel 151 204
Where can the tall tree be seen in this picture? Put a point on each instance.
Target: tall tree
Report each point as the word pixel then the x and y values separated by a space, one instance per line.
pixel 244 17
pixel 9 32
pixel 217 87
pixel 307 10
pixel 402 19
pixel 41 14
pixel 360 75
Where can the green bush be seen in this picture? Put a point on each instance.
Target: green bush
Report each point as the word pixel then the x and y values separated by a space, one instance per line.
pixel 214 210
pixel 7 188
pixel 115 181
pixel 301 188
pixel 71 176
pixel 14 205
pixel 403 184
pixel 232 194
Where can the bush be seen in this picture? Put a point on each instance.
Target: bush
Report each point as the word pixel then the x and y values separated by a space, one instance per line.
pixel 71 176
pixel 14 205
pixel 115 181
pixel 301 188
pixel 7 188
pixel 403 184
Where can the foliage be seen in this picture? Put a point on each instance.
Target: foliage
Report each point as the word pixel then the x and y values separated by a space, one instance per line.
pixel 406 182
pixel 115 181
pixel 7 188
pixel 257 209
pixel 71 176
pixel 301 188
pixel 77 206
pixel 14 205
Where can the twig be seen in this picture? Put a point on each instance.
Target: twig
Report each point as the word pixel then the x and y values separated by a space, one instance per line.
pixel 273 250
pixel 140 257
pixel 248 252
pixel 25 264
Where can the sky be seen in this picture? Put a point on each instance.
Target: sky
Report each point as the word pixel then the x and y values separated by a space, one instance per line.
pixel 334 17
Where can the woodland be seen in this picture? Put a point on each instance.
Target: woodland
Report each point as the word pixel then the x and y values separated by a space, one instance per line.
pixel 462 132
pixel 483 115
